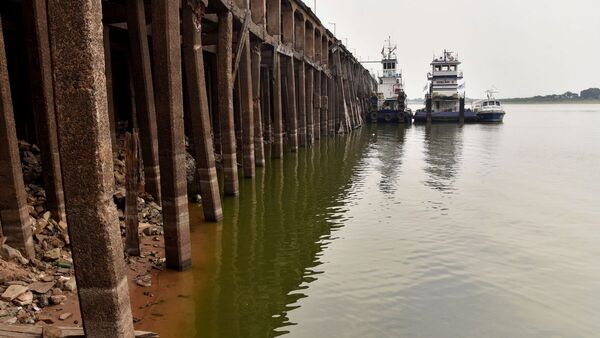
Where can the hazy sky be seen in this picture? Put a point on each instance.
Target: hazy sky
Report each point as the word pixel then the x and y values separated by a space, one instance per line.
pixel 522 47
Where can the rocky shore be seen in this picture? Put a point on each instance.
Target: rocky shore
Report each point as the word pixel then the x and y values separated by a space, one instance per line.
pixel 42 290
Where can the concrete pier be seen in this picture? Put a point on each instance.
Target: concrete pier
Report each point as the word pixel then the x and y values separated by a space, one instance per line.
pixel 92 79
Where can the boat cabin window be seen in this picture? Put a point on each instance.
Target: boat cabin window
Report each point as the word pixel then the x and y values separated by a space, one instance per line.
pixel 445 68
pixel 453 68
pixel 485 104
pixel 497 103
pixel 438 68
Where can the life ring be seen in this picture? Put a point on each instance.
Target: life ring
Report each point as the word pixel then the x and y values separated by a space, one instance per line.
pixel 388 117
pixel 374 116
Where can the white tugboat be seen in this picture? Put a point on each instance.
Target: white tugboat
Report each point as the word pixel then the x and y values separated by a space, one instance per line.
pixel 445 91
pixel 489 110
pixel 391 98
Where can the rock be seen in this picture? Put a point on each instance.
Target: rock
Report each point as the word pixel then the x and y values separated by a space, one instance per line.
pixel 13 292
pixel 3 313
pixel 70 285
pixel 46 215
pixel 144 281
pixel 24 299
pixel 40 287
pixel 62 225
pixel 52 255
pixel 43 300
pixel 65 316
pixel 51 332
pixel 11 254
pixel 57 299
pixel 3 305
pixel 45 318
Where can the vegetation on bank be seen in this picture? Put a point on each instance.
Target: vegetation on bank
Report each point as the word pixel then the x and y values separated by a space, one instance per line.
pixel 590 95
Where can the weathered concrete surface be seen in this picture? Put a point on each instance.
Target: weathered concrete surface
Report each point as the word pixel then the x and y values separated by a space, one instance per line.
pixel 171 138
pixel 225 83
pixel 317 104
pixel 259 144
pixel 13 204
pixel 109 88
pixel 247 110
pixel 292 113
pixel 277 150
pixel 42 95
pixel 206 172
pixel 301 104
pixel 324 106
pixel 145 106
pixel 84 138
pixel 308 87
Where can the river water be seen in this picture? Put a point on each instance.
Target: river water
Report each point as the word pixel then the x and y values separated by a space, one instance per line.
pixel 441 231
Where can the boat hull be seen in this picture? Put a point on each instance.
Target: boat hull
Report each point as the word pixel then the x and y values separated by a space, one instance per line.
pixel 491 117
pixel 445 117
pixel 389 116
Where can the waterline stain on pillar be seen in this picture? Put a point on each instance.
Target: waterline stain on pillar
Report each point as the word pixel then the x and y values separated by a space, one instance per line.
pixel 247 110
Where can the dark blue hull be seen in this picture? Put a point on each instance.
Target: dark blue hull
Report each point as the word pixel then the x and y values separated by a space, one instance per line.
pixel 491 117
pixel 390 116
pixel 445 117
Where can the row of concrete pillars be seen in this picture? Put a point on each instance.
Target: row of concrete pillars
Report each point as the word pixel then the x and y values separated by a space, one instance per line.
pixel 261 95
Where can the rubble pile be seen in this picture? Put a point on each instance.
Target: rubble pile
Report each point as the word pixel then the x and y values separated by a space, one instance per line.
pixel 28 286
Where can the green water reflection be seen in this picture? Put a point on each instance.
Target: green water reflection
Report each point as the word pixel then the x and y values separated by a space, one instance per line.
pixel 267 249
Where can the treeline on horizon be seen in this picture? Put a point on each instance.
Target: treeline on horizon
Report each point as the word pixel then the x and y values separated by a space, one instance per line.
pixel 586 95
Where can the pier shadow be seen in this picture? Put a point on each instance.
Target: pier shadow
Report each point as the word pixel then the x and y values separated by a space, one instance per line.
pixel 250 270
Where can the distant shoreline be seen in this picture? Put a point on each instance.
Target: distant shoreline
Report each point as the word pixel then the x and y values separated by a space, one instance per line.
pixel 509 101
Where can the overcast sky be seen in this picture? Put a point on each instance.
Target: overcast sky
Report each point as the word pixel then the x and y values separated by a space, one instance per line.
pixel 522 47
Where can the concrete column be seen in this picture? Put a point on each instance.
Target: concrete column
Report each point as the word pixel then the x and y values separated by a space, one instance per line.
pixel 259 143
pixel 292 114
pixel 308 84
pixel 266 83
pixel 277 149
pixel 42 95
pixel 225 83
pixel 144 94
pixel 171 138
pixel 301 104
pixel 112 119
pixel 317 104
pixel 206 172
pixel 324 105
pixel 13 202
pixel 247 110
pixel 83 129
pixel 331 98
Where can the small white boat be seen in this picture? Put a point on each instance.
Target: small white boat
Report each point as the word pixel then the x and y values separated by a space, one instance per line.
pixel 489 110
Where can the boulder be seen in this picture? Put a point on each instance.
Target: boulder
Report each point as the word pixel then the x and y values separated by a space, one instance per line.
pixel 13 292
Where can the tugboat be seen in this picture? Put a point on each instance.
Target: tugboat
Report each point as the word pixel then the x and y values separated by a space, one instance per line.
pixel 445 102
pixel 489 110
pixel 390 103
